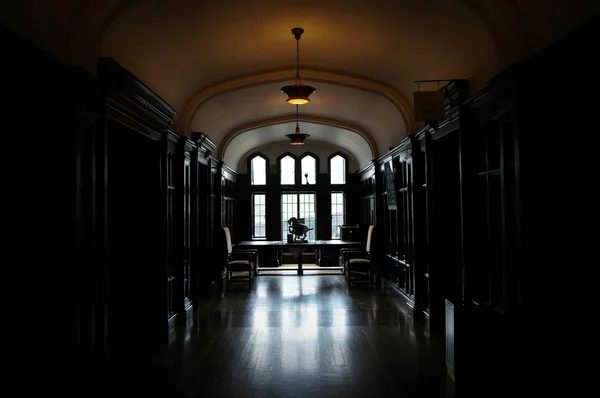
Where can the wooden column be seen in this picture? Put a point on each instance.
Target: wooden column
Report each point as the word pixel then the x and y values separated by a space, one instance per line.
pixel 201 218
pixel 182 180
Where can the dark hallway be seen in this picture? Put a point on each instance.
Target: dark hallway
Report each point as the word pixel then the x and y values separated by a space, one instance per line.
pixel 163 147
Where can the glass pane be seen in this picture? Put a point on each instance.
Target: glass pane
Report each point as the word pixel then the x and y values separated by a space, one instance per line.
pixel 307 211
pixel 309 166
pixel 288 170
pixel 337 213
pixel 289 209
pixel 259 171
pixel 338 170
pixel 259 229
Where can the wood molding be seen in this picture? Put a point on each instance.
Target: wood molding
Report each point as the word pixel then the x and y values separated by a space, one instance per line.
pixel 228 173
pixel 367 172
pixel 133 97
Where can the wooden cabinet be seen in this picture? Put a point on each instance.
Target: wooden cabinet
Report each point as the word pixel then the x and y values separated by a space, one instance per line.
pixel 134 196
pixel 202 216
pixel 180 227
pixel 172 274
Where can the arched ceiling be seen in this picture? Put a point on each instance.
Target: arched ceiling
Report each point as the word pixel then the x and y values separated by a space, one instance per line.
pixel 220 63
pixel 390 44
pixel 366 110
pixel 320 134
pixel 193 44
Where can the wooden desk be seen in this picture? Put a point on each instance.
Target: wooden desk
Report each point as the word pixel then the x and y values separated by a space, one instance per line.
pixel 297 248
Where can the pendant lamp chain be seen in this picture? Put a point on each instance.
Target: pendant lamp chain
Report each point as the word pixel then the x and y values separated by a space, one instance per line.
pixel 298 93
pixel 298 79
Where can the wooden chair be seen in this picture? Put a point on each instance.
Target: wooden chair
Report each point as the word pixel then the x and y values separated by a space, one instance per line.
pixel 357 262
pixel 238 261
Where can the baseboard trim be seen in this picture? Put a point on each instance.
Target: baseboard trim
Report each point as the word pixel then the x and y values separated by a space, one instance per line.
pixel 407 300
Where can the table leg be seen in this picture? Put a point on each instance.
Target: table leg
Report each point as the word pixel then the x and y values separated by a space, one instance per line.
pixel 298 252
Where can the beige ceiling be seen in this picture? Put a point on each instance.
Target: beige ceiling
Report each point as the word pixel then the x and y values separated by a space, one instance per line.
pixel 220 63
pixel 342 110
pixel 266 138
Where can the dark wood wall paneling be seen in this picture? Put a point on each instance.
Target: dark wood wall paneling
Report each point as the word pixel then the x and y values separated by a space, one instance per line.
pixel 443 237
pixel 227 198
pixel 139 194
pixel 501 196
pixel 51 110
pixel 216 242
pixel 415 232
pixel 366 178
pixel 530 162
pixel 182 225
pixel 557 154
pixel 203 217
pixel 114 205
pixel 164 228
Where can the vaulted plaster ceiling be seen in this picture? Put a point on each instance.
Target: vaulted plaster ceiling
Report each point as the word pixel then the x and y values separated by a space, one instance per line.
pixel 320 134
pixel 341 114
pixel 220 63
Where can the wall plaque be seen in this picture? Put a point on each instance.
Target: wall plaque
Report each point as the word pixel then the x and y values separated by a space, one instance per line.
pixel 429 106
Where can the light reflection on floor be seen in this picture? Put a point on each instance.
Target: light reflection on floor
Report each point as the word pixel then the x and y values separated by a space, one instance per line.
pixel 304 336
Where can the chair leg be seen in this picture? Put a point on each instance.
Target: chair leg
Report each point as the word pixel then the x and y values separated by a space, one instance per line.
pixel 373 277
pixel 250 279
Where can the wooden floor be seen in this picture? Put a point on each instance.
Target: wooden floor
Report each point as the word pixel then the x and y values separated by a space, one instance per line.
pixel 291 336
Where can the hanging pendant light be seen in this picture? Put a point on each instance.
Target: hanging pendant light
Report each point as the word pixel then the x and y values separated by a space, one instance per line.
pixel 297 138
pixel 298 93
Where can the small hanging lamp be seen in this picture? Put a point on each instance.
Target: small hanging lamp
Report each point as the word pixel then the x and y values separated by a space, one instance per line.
pixel 298 93
pixel 297 138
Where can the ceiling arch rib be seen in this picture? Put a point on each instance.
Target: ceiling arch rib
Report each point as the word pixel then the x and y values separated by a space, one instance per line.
pixel 323 139
pixel 180 47
pixel 368 113
pixel 303 119
pixel 185 120
pixel 323 131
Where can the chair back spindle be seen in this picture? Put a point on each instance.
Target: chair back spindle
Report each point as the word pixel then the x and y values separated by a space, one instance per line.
pixel 228 240
pixel 369 235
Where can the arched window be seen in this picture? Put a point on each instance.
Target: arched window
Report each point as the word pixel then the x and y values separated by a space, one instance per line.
pixel 287 170
pixel 337 169
pixel 308 165
pixel 258 170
